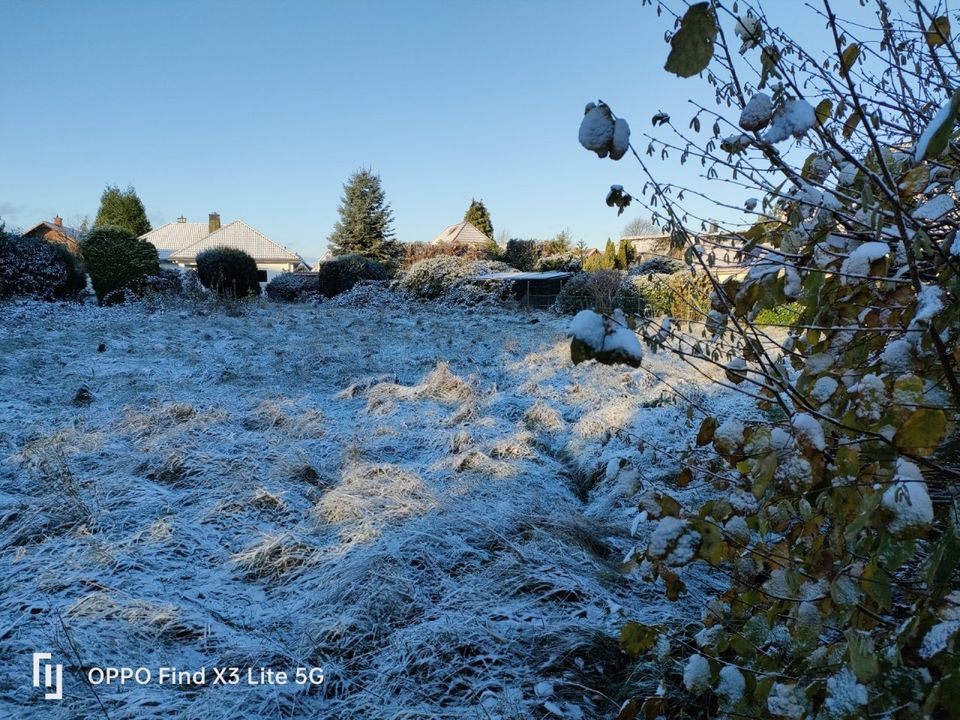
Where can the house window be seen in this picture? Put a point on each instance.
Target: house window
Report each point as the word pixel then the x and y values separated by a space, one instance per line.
pixel 261 275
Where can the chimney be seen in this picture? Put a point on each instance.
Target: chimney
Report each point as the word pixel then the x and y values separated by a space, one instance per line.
pixel 214 224
pixel 58 221
pixel 181 219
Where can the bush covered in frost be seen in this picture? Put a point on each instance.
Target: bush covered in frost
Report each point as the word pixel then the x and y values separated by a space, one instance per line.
pixel 118 263
pixel 560 262
pixel 31 267
pixel 294 287
pixel 341 273
pixel 829 514
pixel 600 290
pixel 229 272
pixel 434 277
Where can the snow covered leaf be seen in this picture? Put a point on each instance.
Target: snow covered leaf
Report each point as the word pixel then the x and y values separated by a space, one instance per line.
pixel 621 139
pixel 935 137
pixel 757 112
pixel 922 431
pixel 795 118
pixel 939 31
pixel 748 29
pixel 691 48
pixel 618 198
pixel 606 340
pixel 596 129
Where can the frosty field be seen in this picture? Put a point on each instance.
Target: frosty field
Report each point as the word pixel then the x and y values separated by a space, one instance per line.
pixel 433 504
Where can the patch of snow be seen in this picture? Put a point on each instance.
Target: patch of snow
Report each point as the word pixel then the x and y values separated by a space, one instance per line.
pixel 824 388
pixel 795 118
pixel 730 685
pixel 606 334
pixel 787 700
pixel 756 113
pixel 730 432
pixel 621 139
pixel 673 542
pixel 597 129
pixel 696 674
pixel 908 500
pixel 750 204
pixel 938 638
pixel 941 118
pixel 809 430
pixel 856 267
pixel 845 696
pixel 749 30
pixel 934 209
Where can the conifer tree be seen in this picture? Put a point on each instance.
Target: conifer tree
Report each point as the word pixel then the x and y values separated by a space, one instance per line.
pixel 610 255
pixel 122 209
pixel 623 255
pixel 478 216
pixel 365 226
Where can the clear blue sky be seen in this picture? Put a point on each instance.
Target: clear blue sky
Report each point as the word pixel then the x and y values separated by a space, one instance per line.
pixel 261 110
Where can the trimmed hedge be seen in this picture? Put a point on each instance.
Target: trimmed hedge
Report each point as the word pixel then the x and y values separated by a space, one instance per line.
pixel 294 286
pixel 117 262
pixel 33 267
pixel 229 272
pixel 341 273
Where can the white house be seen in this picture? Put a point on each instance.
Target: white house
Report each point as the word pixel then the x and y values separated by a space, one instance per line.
pixel 178 244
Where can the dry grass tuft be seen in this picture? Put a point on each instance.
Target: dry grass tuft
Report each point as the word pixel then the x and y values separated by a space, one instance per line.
pixel 274 557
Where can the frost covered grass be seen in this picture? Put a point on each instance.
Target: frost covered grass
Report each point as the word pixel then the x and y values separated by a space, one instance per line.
pixel 432 505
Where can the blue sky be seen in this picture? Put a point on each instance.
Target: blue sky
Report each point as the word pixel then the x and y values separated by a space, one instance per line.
pixel 261 110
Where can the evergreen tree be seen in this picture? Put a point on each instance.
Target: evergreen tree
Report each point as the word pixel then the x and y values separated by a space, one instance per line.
pixel 122 209
pixel 365 226
pixel 624 255
pixel 478 216
pixel 610 255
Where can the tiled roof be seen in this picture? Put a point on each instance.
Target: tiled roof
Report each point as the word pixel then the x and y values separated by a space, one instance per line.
pixel 67 231
pixel 464 232
pixel 241 236
pixel 169 238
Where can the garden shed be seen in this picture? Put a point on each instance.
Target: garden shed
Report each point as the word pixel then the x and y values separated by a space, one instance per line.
pixel 530 289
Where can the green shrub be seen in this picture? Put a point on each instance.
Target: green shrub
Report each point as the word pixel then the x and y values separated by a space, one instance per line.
pixel 787 314
pixel 561 262
pixel 36 268
pixel 294 287
pixel 521 254
pixel 658 266
pixel 229 272
pixel 680 295
pixel 600 290
pixel 438 276
pixel 341 273
pixel 117 262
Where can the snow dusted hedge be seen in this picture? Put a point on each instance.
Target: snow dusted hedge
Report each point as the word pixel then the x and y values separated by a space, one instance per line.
pixel 36 268
pixel 434 277
pixel 229 272
pixel 293 287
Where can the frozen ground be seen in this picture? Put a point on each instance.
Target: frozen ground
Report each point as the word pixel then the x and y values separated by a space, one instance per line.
pixel 433 506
